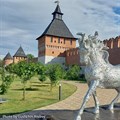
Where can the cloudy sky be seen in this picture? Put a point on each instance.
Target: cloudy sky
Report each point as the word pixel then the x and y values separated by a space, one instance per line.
pixel 22 21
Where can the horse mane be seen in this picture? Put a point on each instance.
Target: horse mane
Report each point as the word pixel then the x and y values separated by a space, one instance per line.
pixel 105 56
pixel 99 46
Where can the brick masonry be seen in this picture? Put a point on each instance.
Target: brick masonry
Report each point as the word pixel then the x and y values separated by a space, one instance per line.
pixel 73 56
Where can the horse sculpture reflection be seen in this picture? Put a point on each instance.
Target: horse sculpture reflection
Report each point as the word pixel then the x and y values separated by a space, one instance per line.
pixel 98 71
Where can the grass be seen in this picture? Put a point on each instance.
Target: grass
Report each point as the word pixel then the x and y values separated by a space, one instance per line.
pixel 37 95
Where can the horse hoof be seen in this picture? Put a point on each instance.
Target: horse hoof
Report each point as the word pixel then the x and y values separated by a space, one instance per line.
pixel 110 107
pixel 78 118
pixel 96 111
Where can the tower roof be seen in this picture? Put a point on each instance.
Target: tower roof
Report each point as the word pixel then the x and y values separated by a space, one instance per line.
pixel 57 10
pixel 20 53
pixel 57 27
pixel 8 56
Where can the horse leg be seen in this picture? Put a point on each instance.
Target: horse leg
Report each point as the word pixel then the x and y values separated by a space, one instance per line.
pixel 91 90
pixel 96 110
pixel 111 106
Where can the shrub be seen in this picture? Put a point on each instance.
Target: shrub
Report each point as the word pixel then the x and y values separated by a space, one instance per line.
pixel 73 73
pixel 6 82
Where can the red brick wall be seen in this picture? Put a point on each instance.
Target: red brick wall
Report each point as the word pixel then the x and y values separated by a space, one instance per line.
pixel 18 59
pixel 72 57
pixel 56 47
pixel 114 52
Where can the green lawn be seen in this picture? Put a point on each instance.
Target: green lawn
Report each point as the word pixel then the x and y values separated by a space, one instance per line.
pixel 37 96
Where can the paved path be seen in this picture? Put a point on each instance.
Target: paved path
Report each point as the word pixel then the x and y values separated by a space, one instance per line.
pixel 73 102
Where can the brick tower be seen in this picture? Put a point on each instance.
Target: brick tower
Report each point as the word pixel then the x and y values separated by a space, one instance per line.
pixel 8 59
pixel 19 55
pixel 55 40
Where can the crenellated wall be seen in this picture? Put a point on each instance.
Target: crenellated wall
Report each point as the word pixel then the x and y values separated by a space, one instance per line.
pixel 73 56
pixel 114 50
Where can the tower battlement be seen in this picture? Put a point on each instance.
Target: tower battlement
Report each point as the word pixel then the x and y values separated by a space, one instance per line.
pixel 113 43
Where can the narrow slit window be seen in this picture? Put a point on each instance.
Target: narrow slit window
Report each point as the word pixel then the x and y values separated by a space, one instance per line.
pixel 58 40
pixel 71 42
pixel 51 39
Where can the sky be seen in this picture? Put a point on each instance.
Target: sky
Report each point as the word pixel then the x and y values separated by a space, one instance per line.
pixel 22 21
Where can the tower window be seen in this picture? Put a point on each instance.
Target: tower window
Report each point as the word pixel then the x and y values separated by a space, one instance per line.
pixel 51 39
pixel 58 40
pixel 52 52
pixel 64 41
pixel 71 42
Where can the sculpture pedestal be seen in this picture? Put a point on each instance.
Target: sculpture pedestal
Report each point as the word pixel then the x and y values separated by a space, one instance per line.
pixel 104 114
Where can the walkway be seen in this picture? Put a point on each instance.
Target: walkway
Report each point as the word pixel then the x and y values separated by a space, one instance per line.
pixel 73 102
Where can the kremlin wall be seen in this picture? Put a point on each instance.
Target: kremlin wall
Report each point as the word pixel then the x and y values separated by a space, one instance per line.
pixel 73 56
pixel 114 50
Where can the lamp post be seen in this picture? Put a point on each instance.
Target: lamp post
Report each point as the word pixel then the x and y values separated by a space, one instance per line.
pixel 60 92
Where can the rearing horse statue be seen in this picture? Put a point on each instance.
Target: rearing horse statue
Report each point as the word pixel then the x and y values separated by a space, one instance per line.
pixel 98 71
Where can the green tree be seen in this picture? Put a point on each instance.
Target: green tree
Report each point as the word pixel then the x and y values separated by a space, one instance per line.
pixel 1 63
pixel 24 70
pixel 30 56
pixel 6 81
pixel 73 73
pixel 55 73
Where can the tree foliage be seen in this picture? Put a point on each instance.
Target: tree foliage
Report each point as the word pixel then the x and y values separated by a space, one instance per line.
pixel 30 56
pixel 55 73
pixel 24 70
pixel 73 73
pixel 6 81
pixel 1 63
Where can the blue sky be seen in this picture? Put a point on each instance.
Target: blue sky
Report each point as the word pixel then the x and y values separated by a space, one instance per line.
pixel 22 21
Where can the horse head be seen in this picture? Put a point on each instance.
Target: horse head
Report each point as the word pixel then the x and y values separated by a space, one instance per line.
pixel 84 48
pixel 90 47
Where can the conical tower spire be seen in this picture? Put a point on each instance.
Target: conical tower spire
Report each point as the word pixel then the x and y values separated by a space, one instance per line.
pixel 57 14
pixel 8 56
pixel 20 53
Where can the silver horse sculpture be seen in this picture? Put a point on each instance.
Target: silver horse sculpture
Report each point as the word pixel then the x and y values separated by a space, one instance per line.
pixel 98 71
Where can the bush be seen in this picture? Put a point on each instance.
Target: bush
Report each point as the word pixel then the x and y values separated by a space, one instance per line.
pixel 6 82
pixel 55 73
pixel 73 73
pixel 42 78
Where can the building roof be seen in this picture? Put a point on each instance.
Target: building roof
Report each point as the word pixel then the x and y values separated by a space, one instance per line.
pixel 20 53
pixel 8 56
pixel 57 27
pixel 57 10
